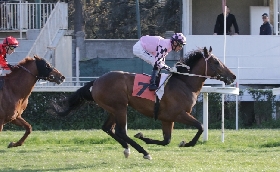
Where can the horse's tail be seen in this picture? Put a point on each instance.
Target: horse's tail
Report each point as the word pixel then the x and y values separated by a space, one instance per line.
pixel 74 101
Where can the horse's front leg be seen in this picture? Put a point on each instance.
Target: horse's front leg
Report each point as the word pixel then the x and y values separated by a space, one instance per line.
pixel 21 122
pixel 167 128
pixel 188 119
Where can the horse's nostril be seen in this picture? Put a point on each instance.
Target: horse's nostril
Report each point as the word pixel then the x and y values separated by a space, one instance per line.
pixel 62 77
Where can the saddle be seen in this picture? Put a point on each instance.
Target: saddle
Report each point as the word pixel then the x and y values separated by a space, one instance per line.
pixel 157 78
pixel 140 89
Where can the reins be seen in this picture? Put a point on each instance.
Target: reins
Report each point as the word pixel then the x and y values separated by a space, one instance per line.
pixel 38 77
pixel 190 74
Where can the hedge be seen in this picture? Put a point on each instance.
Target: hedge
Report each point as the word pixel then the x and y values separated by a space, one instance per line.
pixel 90 116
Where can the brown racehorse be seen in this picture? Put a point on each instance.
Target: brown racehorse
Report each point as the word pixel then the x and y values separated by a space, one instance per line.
pixel 113 92
pixel 17 88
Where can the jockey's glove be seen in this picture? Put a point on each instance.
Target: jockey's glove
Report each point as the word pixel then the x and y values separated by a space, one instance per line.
pixel 173 69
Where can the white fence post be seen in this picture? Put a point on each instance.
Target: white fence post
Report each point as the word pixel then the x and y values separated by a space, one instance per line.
pixel 77 66
pixel 205 116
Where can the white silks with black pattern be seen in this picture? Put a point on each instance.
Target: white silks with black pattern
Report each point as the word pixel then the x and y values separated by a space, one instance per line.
pixel 153 50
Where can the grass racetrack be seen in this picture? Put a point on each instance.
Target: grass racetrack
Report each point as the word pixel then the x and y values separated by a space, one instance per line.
pixel 94 150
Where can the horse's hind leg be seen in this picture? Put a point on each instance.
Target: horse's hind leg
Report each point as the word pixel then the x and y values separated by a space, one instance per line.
pixel 188 119
pixel 1 124
pixel 108 127
pixel 121 132
pixel 167 128
pixel 21 122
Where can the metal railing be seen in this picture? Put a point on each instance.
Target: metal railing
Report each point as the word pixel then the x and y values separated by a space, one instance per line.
pixel 69 81
pixel 70 84
pixel 57 20
pixel 20 16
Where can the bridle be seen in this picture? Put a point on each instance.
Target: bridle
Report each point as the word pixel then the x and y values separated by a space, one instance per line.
pixel 37 77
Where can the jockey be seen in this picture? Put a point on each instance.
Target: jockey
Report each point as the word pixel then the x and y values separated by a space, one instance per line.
pixel 7 47
pixel 154 49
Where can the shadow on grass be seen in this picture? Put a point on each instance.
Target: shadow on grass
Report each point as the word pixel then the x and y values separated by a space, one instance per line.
pixel 271 144
pixel 47 169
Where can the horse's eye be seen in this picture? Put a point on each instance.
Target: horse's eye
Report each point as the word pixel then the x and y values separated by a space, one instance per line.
pixel 216 62
pixel 48 66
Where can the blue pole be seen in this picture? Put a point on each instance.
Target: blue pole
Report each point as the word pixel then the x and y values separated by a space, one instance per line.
pixel 138 19
pixel 38 14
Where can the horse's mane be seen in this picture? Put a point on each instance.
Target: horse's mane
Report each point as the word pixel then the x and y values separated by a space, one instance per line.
pixel 192 57
pixel 22 62
pixel 25 60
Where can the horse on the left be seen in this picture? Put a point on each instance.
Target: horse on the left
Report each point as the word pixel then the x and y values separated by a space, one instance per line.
pixel 16 87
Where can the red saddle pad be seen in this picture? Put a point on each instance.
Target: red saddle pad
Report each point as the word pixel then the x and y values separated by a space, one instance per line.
pixel 141 87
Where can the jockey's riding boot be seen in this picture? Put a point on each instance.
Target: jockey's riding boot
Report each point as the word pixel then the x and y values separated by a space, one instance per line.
pixel 153 86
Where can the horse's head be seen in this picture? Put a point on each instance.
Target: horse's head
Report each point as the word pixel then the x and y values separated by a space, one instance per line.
pixel 215 68
pixel 47 72
pixel 205 64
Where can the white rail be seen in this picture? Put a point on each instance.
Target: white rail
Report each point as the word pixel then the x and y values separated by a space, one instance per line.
pixel 19 16
pixel 73 81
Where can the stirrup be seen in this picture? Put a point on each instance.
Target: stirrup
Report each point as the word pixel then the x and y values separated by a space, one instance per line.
pixel 152 87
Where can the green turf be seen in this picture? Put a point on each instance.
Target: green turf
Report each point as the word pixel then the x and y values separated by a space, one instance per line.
pixel 94 150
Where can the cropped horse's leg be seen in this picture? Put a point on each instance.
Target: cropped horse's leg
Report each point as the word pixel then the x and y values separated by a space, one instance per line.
pixel 1 124
pixel 108 127
pixel 121 132
pixel 188 119
pixel 167 128
pixel 21 122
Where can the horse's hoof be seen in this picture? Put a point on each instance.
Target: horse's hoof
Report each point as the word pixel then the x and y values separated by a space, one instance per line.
pixel 11 145
pixel 182 144
pixel 189 145
pixel 147 157
pixel 126 152
pixel 139 135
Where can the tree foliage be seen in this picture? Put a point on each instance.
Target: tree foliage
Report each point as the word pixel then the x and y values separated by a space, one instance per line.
pixel 116 19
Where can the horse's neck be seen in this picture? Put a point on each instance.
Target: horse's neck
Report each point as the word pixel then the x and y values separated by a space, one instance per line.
pixel 195 83
pixel 22 82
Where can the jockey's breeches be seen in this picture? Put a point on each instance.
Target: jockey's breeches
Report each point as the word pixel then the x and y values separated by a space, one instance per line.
pixel 140 52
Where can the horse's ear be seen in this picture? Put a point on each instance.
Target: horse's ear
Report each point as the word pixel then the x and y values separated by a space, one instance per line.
pixel 210 50
pixel 36 56
pixel 205 51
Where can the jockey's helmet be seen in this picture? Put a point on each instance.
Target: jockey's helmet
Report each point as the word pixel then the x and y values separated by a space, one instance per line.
pixel 10 41
pixel 179 38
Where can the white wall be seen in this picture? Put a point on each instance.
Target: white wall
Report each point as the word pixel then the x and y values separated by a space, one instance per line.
pixel 258 55
pixel 63 56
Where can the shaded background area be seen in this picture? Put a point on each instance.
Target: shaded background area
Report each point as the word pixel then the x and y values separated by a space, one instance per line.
pixel 204 15
pixel 98 66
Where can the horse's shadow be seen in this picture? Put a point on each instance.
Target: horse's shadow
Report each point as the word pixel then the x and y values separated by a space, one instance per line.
pixel 48 169
pixel 270 144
